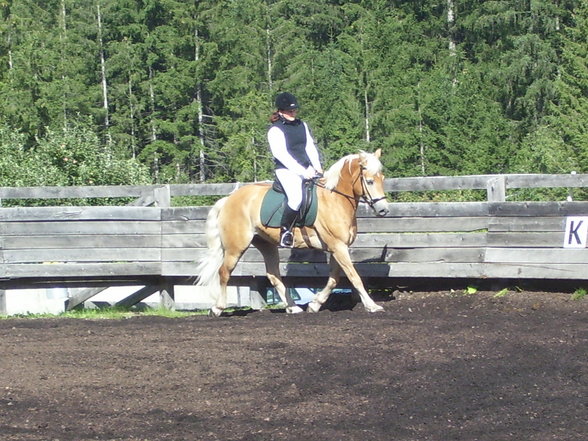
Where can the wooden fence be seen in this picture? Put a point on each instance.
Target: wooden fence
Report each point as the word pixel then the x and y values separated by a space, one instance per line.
pixel 154 244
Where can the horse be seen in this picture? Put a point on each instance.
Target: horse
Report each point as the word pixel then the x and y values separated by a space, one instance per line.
pixel 234 223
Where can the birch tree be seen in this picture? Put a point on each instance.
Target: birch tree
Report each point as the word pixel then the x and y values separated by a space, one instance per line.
pixel 103 82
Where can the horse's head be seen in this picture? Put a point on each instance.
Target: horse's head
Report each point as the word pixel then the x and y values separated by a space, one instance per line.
pixel 370 185
pixel 362 175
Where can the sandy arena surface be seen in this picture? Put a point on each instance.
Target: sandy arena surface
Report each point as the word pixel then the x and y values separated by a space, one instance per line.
pixel 434 366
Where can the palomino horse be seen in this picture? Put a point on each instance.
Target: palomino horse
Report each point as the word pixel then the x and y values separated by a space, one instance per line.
pixel 233 224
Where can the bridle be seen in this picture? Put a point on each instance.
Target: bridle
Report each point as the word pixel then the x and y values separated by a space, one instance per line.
pixel 366 195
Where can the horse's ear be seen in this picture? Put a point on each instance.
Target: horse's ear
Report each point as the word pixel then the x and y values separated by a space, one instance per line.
pixel 362 157
pixel 378 153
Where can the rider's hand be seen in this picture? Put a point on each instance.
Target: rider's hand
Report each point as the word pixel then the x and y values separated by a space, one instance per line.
pixel 309 173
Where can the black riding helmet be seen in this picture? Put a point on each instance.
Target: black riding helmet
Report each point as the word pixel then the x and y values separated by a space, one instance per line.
pixel 286 101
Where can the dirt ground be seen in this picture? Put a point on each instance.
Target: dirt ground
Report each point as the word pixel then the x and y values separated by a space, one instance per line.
pixel 434 366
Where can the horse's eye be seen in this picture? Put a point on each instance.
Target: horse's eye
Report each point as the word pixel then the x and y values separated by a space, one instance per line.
pixel 369 181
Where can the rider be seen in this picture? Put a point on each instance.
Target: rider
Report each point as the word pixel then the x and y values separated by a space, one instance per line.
pixel 296 158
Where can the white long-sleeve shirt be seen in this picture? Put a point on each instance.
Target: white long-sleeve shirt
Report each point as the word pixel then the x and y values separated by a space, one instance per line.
pixel 277 143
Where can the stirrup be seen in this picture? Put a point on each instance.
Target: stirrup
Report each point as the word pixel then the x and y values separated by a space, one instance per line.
pixel 287 239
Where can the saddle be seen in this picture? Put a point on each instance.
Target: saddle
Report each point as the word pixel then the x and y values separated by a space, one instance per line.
pixel 274 202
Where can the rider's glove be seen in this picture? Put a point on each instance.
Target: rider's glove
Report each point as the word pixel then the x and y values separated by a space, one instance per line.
pixel 309 173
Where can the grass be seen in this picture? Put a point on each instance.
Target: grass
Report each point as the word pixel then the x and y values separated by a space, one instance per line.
pixel 112 313
pixel 120 313
pixel 501 293
pixel 579 294
pixel 470 290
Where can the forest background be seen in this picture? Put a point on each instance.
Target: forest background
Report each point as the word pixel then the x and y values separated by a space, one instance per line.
pixel 166 91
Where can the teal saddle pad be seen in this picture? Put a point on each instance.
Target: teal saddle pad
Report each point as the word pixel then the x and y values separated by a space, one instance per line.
pixel 273 204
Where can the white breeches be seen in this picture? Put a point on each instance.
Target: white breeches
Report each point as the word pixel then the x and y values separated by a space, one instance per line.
pixel 292 184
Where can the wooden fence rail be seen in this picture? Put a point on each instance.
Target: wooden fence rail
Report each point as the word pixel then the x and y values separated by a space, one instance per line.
pixel 157 245
pixel 495 186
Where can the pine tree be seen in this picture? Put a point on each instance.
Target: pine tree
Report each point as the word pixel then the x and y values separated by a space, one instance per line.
pixel 570 114
pixel 30 43
pixel 236 59
pixel 443 87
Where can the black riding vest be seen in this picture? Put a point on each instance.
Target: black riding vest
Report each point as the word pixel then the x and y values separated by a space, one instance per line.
pixel 295 135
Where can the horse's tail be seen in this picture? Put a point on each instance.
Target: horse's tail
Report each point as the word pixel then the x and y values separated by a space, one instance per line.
pixel 209 266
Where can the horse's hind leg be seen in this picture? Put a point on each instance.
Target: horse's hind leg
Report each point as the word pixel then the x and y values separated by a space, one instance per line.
pixel 225 270
pixel 271 258
pixel 232 254
pixel 322 296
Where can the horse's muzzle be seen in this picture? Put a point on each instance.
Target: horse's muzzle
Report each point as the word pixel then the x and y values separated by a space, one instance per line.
pixel 381 208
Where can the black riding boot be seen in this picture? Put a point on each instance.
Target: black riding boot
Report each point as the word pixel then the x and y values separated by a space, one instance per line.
pixel 286 224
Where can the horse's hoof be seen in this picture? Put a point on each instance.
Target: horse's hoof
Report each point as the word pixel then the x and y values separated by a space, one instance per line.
pixel 214 312
pixel 294 310
pixel 313 307
pixel 374 308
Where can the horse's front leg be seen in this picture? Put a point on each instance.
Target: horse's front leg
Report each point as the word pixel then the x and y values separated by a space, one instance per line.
pixel 322 296
pixel 341 253
pixel 271 258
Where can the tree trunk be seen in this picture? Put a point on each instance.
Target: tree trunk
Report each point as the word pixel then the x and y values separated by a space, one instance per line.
pixel 366 104
pixel 132 116
pixel 152 101
pixel 270 68
pixel 63 41
pixel 422 146
pixel 103 75
pixel 201 157
pixel 450 26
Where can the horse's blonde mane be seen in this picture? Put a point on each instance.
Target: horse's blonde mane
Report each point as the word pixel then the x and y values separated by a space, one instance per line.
pixel 333 174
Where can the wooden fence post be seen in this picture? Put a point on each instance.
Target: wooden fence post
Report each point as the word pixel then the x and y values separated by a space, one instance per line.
pixel 496 189
pixel 256 288
pixel 2 302
pixel 570 197
pixel 167 296
pixel 162 196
